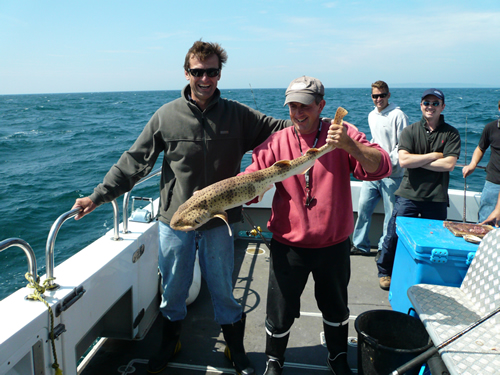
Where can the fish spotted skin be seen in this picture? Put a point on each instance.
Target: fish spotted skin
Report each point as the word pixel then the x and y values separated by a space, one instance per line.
pixel 213 201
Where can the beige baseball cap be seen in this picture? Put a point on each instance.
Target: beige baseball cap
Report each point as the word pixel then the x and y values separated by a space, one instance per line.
pixel 304 90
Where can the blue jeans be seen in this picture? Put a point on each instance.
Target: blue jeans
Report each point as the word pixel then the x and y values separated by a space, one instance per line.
pixel 408 208
pixel 370 194
pixel 176 259
pixel 489 197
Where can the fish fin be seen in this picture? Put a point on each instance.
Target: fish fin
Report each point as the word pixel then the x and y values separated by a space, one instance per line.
pixel 284 162
pixel 264 192
pixel 312 149
pixel 222 215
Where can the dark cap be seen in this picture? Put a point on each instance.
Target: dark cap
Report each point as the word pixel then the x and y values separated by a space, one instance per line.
pixel 304 90
pixel 437 93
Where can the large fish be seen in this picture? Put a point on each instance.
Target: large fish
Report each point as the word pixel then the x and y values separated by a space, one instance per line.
pixel 213 201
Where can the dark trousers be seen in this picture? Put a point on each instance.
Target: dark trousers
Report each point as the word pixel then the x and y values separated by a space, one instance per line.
pixel 409 208
pixel 288 273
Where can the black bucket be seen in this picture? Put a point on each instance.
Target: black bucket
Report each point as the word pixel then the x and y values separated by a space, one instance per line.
pixel 388 339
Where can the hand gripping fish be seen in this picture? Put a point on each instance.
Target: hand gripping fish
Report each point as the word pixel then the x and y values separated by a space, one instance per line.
pixel 214 200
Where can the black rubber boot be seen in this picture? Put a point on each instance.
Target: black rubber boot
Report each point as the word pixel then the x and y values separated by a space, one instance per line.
pixel 336 342
pixel 235 351
pixel 170 346
pixel 275 351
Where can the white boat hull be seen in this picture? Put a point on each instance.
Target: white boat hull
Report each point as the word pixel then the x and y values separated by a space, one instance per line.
pixel 120 301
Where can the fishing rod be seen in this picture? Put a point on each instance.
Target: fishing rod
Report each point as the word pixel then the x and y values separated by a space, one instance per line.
pixel 256 229
pixel 429 353
pixel 257 108
pixel 465 178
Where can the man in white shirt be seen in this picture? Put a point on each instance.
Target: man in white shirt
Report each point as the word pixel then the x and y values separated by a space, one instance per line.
pixel 386 122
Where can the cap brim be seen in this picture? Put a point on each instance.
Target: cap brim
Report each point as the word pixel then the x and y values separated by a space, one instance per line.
pixel 299 98
pixel 437 96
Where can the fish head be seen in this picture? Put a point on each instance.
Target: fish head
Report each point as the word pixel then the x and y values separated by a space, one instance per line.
pixel 189 218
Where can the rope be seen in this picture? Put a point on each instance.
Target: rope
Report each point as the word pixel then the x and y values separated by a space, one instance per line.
pixel 37 294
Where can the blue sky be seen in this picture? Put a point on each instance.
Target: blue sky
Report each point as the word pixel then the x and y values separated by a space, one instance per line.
pixel 91 46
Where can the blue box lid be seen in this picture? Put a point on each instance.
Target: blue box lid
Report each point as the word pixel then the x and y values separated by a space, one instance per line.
pixel 422 236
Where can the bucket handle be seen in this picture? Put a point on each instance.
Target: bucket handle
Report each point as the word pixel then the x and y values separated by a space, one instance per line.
pixel 369 340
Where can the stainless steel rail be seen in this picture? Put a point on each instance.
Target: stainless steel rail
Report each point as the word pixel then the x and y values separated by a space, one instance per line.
pixel 49 247
pixel 51 239
pixel 126 198
pixel 30 254
pixel 116 221
pixel 477 167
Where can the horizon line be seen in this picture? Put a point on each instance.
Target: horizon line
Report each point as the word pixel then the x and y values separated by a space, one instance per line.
pixel 395 86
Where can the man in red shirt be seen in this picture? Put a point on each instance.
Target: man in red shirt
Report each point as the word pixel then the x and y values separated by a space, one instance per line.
pixel 312 219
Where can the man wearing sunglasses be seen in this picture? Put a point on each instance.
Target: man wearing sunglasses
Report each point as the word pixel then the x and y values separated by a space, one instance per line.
pixel 386 122
pixel 203 138
pixel 489 137
pixel 311 221
pixel 429 150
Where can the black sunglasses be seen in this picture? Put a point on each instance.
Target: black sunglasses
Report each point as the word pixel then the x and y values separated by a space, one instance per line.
pixel 211 72
pixel 376 96
pixel 435 104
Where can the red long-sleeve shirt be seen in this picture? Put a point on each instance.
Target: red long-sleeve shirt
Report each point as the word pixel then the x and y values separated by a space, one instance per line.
pixel 329 219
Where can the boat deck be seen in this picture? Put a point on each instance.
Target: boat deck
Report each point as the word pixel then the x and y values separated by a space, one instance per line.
pixel 202 340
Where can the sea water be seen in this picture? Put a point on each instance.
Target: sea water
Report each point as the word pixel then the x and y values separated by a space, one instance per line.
pixel 55 148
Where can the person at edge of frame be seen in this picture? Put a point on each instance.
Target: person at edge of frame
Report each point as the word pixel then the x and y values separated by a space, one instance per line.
pixel 429 150
pixel 489 137
pixel 386 123
pixel 494 217
pixel 311 221
pixel 204 138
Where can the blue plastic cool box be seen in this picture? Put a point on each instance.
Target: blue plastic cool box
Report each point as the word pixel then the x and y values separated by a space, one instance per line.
pixel 427 253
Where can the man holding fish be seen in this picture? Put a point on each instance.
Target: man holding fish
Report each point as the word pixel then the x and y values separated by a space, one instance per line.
pixel 312 219
pixel 203 138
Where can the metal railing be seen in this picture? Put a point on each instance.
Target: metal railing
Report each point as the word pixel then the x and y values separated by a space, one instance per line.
pixel 477 166
pixel 126 198
pixel 116 221
pixel 51 239
pixel 49 247
pixel 30 254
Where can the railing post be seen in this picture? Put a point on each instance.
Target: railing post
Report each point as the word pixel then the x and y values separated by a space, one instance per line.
pixel 49 248
pixel 30 254
pixel 116 211
pixel 126 198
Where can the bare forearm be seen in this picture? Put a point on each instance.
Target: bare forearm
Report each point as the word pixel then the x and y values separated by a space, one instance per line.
pixel 368 157
pixel 476 158
pixel 407 160
pixel 446 164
